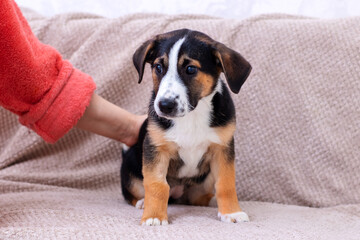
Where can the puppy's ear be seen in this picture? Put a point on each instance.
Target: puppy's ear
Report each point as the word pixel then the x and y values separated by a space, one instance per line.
pixel 234 66
pixel 143 55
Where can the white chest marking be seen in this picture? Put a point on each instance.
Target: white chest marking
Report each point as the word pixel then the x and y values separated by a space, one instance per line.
pixel 193 135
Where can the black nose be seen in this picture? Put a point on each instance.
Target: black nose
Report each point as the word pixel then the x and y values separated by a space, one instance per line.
pixel 167 105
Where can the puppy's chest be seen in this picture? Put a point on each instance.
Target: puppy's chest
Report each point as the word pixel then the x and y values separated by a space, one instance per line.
pixel 193 135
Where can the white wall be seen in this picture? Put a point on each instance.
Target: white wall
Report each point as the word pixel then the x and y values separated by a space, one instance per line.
pixel 222 8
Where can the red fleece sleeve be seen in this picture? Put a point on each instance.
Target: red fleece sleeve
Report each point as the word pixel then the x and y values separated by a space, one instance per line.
pixel 48 94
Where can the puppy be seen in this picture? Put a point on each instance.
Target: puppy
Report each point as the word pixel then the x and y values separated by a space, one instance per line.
pixel 185 153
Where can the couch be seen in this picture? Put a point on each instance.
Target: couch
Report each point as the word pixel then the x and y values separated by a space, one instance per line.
pixel 297 140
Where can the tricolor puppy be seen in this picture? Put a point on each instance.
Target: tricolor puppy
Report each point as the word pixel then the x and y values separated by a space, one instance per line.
pixel 185 152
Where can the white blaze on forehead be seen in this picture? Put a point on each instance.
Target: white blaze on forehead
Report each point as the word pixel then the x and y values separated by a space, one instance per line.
pixel 171 85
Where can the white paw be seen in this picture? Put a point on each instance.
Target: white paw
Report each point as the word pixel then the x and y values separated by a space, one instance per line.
pixel 213 202
pixel 154 222
pixel 140 204
pixel 235 217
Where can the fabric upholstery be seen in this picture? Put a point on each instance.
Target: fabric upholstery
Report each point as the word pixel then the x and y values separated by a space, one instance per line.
pixel 297 139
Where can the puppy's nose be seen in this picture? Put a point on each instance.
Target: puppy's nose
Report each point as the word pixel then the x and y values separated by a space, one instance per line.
pixel 167 105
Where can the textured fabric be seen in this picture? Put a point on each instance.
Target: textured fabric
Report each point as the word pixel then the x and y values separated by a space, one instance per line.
pixel 88 215
pixel 35 82
pixel 297 143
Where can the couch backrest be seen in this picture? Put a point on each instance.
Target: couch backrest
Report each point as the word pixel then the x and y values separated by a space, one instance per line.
pixel 298 114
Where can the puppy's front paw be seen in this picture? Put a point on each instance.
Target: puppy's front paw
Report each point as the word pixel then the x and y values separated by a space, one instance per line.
pixel 235 217
pixel 154 222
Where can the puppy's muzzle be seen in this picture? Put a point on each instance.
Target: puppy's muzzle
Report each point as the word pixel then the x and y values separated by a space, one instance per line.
pixel 168 106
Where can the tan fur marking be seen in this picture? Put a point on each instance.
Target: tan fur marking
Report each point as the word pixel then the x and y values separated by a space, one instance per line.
pixel 219 56
pixel 134 201
pixel 192 62
pixel 164 58
pixel 181 59
pixel 157 135
pixel 195 63
pixel 225 59
pixel 156 80
pixel 206 81
pixel 137 188
pixel 158 139
pixel 203 200
pixel 226 133
pixel 224 172
pixel 156 189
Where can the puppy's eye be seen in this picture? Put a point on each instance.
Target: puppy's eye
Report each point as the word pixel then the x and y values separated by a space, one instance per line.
pixel 191 70
pixel 159 68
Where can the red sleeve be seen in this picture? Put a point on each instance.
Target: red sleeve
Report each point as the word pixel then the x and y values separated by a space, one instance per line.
pixel 48 94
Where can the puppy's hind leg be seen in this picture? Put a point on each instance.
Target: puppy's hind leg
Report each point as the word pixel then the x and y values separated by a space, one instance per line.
pixel 137 189
pixel 131 183
pixel 202 194
pixel 133 191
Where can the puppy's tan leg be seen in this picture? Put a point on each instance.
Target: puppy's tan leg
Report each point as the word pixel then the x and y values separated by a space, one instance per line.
pixel 223 168
pixel 156 200
pixel 156 192
pixel 156 157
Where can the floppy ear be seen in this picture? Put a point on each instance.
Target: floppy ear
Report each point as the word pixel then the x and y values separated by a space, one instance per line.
pixel 141 56
pixel 234 66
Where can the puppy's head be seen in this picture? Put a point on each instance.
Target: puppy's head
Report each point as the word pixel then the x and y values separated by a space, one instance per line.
pixel 185 68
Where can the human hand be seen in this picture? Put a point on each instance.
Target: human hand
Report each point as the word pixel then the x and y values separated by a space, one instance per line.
pixel 105 118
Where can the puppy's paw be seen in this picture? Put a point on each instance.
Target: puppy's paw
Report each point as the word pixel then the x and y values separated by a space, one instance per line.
pixel 154 222
pixel 235 217
pixel 140 204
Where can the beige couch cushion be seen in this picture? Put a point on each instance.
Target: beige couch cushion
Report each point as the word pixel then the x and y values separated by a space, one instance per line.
pixel 71 214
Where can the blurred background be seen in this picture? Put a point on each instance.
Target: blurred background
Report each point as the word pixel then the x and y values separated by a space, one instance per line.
pixel 221 8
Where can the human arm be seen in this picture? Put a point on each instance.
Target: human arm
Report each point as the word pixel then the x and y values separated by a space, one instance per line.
pixel 106 119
